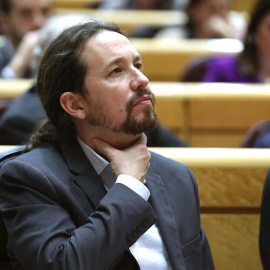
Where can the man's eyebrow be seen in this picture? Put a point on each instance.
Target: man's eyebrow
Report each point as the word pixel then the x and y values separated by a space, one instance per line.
pixel 117 60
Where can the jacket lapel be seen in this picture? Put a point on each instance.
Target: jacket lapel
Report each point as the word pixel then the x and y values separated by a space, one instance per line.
pixel 85 175
pixel 166 222
pixel 88 180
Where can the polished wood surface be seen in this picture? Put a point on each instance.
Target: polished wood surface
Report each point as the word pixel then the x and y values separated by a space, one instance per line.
pixel 130 19
pixel 14 88
pixel 70 4
pixel 243 5
pixel 233 240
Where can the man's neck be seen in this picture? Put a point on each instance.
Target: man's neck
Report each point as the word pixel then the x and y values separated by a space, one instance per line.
pixel 117 140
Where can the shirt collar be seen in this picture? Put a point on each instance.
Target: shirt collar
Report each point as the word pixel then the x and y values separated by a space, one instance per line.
pixel 98 162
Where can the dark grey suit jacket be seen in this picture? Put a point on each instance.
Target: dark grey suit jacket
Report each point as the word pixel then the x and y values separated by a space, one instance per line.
pixel 59 216
pixel 264 236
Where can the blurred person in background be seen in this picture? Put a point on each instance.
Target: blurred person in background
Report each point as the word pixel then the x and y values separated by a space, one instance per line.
pixel 145 31
pixel 208 19
pixel 252 65
pixel 20 21
pixel 26 111
pixel 142 4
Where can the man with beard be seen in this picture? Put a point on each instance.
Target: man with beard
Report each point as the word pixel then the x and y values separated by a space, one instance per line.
pixel 84 195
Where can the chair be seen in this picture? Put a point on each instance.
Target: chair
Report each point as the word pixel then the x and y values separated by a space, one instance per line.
pixel 255 132
pixel 4 157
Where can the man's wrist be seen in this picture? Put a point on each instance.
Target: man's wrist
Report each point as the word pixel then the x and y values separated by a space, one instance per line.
pixel 134 184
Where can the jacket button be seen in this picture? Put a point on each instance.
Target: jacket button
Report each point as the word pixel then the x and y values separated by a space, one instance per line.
pixel 134 232
pixel 145 222
pixel 129 238
pixel 140 228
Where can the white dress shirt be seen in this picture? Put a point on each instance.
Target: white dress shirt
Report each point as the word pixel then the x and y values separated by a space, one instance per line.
pixel 149 249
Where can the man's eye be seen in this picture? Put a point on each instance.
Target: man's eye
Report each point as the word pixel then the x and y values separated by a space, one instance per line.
pixel 139 66
pixel 116 70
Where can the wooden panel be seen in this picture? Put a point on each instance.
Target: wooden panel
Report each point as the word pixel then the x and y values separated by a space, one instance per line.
pixel 14 88
pixel 230 187
pixel 129 19
pixel 75 3
pixel 243 5
pixel 227 114
pixel 213 138
pixel 245 158
pixel 173 117
pixel 233 240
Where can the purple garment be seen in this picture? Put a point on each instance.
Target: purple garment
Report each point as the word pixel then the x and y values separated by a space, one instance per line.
pixel 224 68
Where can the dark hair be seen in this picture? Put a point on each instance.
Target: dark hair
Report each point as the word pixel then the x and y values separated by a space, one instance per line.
pixel 248 58
pixel 190 25
pixel 5 6
pixel 160 4
pixel 62 69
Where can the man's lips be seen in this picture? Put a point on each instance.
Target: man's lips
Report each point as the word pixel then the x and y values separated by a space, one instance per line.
pixel 145 100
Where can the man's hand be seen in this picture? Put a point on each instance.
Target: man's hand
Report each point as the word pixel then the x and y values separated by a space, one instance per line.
pixel 24 53
pixel 133 161
pixel 217 27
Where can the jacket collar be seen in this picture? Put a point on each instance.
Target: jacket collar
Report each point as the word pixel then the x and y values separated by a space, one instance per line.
pixel 85 175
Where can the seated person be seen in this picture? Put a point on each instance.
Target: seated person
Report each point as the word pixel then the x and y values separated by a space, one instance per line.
pixel 87 193
pixel 258 136
pixel 20 21
pixel 252 65
pixel 207 19
pixel 144 31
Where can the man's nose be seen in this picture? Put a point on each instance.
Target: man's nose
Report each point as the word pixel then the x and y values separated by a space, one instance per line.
pixel 139 81
pixel 39 20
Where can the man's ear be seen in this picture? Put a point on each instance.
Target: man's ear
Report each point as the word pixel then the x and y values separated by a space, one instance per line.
pixel 72 104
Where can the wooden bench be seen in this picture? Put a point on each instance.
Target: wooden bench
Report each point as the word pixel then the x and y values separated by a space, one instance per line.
pixel 130 19
pixel 237 5
pixel 230 186
pixel 243 5
pixel 71 4
pixel 10 89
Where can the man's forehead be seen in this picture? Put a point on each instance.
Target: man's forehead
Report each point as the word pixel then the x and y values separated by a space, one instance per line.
pixel 109 41
pixel 106 38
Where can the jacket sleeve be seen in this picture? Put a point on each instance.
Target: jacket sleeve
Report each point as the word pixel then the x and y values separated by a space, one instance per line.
pixel 42 234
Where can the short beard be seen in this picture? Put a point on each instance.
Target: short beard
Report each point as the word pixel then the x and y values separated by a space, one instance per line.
pixel 135 127
pixel 130 126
